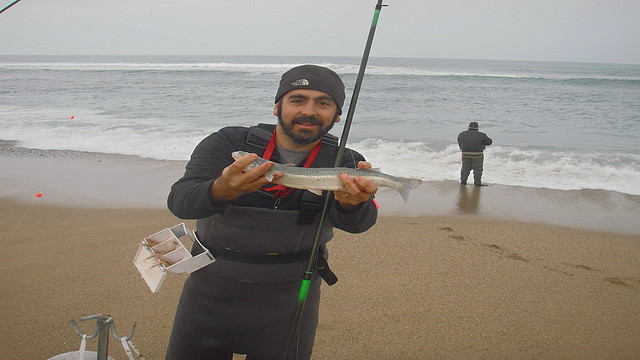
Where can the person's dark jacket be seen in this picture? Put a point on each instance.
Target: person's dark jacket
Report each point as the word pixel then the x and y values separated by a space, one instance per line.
pixel 189 196
pixel 243 301
pixel 473 140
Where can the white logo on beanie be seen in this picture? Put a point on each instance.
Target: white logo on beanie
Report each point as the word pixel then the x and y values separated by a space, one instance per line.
pixel 300 82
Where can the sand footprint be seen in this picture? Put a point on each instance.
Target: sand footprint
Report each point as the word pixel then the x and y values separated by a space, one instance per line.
pixel 576 266
pixel 580 266
pixel 504 252
pixel 612 280
pixel 616 281
pixel 493 247
pixel 453 236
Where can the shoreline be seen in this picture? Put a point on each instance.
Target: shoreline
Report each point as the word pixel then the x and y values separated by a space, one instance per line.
pixel 84 179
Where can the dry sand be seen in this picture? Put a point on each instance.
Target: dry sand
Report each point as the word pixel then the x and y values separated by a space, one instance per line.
pixel 460 285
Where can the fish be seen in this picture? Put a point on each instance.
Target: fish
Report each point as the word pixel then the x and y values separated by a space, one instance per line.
pixel 318 179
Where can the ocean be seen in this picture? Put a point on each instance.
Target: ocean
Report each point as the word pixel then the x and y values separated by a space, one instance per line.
pixel 563 126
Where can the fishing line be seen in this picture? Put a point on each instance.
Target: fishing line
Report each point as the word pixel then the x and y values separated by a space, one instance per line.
pixel 15 225
pixel 313 258
pixel 353 159
pixel 10 5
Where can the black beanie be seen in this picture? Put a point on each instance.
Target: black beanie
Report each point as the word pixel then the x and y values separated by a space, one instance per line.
pixel 473 125
pixel 313 77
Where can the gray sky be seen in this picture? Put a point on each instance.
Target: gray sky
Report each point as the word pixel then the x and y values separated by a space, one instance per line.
pixel 549 30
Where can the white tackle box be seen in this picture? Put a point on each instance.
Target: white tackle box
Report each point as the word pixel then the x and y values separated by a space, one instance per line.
pixel 165 251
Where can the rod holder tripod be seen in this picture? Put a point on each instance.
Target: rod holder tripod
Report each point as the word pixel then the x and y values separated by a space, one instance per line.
pixel 104 327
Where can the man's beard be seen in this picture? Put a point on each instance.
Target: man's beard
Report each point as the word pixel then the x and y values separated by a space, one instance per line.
pixel 304 137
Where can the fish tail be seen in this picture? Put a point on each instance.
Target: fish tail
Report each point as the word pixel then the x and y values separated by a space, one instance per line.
pixel 406 185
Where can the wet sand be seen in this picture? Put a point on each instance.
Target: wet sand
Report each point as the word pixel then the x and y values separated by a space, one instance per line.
pixel 456 273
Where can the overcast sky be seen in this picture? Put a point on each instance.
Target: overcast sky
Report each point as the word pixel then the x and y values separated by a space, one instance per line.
pixel 549 30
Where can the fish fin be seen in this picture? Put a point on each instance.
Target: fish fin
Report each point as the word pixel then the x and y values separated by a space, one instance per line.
pixel 290 165
pixel 408 184
pixel 269 176
pixel 238 154
pixel 316 191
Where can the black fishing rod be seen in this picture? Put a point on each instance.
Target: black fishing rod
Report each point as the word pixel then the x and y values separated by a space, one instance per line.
pixel 313 258
pixel 10 5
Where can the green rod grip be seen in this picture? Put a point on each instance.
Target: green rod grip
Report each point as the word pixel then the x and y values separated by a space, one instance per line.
pixel 376 15
pixel 304 290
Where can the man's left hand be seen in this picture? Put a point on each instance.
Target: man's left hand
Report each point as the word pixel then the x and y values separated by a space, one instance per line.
pixel 358 189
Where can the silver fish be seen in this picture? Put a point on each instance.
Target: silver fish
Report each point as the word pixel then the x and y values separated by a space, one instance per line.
pixel 318 179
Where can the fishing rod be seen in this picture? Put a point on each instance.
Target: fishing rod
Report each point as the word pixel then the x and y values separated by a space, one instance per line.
pixel 10 5
pixel 303 292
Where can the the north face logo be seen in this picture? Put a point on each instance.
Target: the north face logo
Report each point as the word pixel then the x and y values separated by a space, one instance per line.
pixel 300 82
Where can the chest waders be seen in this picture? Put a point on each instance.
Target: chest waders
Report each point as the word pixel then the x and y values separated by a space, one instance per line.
pixel 260 254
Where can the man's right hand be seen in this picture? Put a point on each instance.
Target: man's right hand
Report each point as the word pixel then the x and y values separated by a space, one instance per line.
pixel 235 181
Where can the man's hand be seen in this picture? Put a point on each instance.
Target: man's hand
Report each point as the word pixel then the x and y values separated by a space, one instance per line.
pixel 235 181
pixel 358 189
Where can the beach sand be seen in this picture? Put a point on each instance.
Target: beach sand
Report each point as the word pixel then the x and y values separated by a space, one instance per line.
pixel 456 273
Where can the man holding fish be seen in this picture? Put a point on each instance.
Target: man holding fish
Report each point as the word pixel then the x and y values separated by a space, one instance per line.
pixel 261 231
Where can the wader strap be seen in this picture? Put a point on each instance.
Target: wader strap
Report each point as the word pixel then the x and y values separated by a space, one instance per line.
pixel 310 205
pixel 258 137
pixel 473 153
pixel 264 259
pixel 322 265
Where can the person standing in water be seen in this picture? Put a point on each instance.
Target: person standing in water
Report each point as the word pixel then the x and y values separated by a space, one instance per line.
pixel 472 143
